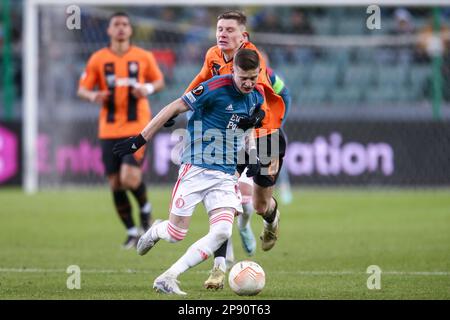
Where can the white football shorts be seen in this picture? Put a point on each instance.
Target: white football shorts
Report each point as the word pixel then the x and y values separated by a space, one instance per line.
pixel 216 189
pixel 244 179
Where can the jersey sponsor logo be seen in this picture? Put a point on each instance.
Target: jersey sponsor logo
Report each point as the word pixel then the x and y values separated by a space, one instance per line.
pixel 133 67
pixel 179 203
pixel 126 82
pixel 232 123
pixel 229 107
pixel 198 91
pixel 109 67
pixel 190 97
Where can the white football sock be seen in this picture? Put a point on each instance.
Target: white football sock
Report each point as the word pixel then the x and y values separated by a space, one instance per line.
pixel 221 226
pixel 168 231
pixel 132 232
pixel 146 208
pixel 244 217
pixel 219 262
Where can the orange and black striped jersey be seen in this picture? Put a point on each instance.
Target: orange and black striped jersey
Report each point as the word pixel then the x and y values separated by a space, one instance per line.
pixel 122 115
pixel 215 64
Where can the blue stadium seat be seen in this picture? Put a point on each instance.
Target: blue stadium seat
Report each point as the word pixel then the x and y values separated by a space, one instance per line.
pixel 185 73
pixel 358 75
pixel 324 74
pixel 310 96
pixel 419 74
pixel 382 95
pixel 391 76
pixel 351 26
pixel 346 96
pixel 294 74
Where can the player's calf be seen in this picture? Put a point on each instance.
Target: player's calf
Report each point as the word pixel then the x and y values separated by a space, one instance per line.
pixel 270 231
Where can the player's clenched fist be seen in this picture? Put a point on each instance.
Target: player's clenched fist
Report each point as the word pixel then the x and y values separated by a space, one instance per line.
pixel 131 145
pixel 255 120
pixel 99 96
pixel 254 164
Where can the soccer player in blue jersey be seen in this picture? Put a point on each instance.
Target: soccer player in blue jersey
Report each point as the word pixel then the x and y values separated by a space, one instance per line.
pixel 223 107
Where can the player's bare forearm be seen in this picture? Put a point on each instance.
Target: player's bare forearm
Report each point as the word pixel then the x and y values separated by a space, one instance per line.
pixel 131 145
pixel 85 94
pixel 159 85
pixel 169 111
pixel 93 96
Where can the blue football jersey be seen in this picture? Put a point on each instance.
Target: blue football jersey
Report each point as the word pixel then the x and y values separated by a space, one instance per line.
pixel 214 139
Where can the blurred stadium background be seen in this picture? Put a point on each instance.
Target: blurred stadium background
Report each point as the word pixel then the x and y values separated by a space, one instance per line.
pixel 370 108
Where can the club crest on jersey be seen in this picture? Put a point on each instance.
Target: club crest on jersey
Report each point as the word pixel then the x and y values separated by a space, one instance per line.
pixel 215 69
pixel 109 68
pixel 179 203
pixel 133 67
pixel 198 90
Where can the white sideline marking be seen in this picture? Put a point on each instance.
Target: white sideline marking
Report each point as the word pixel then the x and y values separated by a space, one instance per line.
pixel 300 272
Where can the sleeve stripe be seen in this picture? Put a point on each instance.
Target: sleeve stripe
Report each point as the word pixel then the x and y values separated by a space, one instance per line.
pixel 187 102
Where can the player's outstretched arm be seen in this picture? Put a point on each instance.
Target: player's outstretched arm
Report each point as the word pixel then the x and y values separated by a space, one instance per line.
pixel 93 96
pixel 131 145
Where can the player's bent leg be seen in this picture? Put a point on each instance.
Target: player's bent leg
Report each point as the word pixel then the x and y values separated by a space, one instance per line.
pixel 270 232
pixel 172 230
pixel 229 260
pixel 130 176
pixel 221 224
pixel 123 208
pixel 243 220
pixel 131 179
pixel 267 207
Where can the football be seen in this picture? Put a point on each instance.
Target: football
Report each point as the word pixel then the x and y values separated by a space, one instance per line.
pixel 246 278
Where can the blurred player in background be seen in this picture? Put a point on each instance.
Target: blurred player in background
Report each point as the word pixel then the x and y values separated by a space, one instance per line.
pixel 124 76
pixel 231 37
pixel 222 104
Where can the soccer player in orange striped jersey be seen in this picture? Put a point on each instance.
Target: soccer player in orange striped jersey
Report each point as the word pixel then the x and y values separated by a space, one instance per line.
pixel 124 75
pixel 230 37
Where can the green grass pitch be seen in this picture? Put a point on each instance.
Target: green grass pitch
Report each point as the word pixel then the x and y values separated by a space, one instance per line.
pixel 328 238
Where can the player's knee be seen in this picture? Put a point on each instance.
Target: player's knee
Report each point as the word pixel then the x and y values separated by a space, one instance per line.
pixel 129 182
pixel 221 225
pixel 223 231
